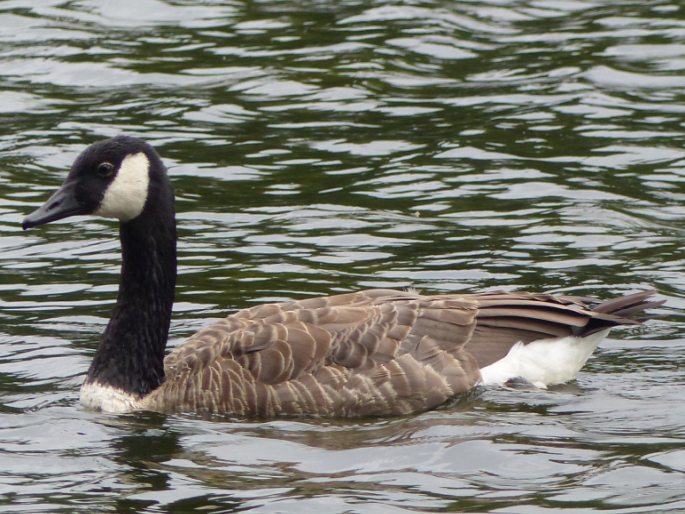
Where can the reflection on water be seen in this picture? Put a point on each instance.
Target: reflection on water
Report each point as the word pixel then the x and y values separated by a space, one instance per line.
pixel 318 148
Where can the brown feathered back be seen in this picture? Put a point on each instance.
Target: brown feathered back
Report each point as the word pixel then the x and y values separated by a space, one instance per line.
pixel 375 352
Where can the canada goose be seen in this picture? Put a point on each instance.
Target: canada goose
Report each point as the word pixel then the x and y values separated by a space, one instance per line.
pixel 374 352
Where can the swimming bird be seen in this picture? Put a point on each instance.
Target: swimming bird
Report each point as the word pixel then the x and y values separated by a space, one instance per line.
pixel 376 352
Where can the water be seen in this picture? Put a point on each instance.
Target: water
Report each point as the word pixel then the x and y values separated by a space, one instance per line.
pixel 320 147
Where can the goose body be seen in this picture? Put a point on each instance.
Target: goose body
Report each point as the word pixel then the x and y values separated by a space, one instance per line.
pixel 373 352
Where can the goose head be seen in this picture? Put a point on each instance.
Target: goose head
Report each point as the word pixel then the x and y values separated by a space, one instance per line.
pixel 112 178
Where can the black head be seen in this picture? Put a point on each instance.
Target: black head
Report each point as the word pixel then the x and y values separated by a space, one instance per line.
pixel 111 178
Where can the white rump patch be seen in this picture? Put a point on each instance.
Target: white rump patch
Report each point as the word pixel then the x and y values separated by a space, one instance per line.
pixel 543 362
pixel 125 197
pixel 108 399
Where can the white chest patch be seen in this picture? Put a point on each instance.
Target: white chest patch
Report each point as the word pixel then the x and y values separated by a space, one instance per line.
pixel 108 399
pixel 125 197
pixel 544 362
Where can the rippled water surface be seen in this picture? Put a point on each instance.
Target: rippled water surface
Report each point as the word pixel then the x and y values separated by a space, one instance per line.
pixel 319 147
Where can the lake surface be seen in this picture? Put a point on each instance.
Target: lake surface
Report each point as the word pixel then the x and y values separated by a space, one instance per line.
pixel 319 147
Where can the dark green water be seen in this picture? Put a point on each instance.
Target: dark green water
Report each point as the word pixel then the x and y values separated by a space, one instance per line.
pixel 319 147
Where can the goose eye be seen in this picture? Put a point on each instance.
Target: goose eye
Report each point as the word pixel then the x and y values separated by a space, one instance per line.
pixel 105 169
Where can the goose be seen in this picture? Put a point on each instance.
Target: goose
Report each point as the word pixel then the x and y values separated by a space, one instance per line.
pixel 376 352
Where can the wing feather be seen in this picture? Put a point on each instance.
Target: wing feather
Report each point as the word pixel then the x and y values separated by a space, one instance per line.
pixel 374 352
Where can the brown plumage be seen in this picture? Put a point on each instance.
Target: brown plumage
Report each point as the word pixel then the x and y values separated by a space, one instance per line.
pixel 375 352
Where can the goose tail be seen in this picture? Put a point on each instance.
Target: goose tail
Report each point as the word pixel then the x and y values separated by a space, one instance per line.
pixel 624 310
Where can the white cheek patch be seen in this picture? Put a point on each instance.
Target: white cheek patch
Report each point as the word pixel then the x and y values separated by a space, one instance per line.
pixel 125 197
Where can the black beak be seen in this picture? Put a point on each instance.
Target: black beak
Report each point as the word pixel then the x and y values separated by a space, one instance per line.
pixel 60 205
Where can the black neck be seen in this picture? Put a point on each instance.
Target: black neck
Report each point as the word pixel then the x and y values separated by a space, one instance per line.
pixel 131 353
